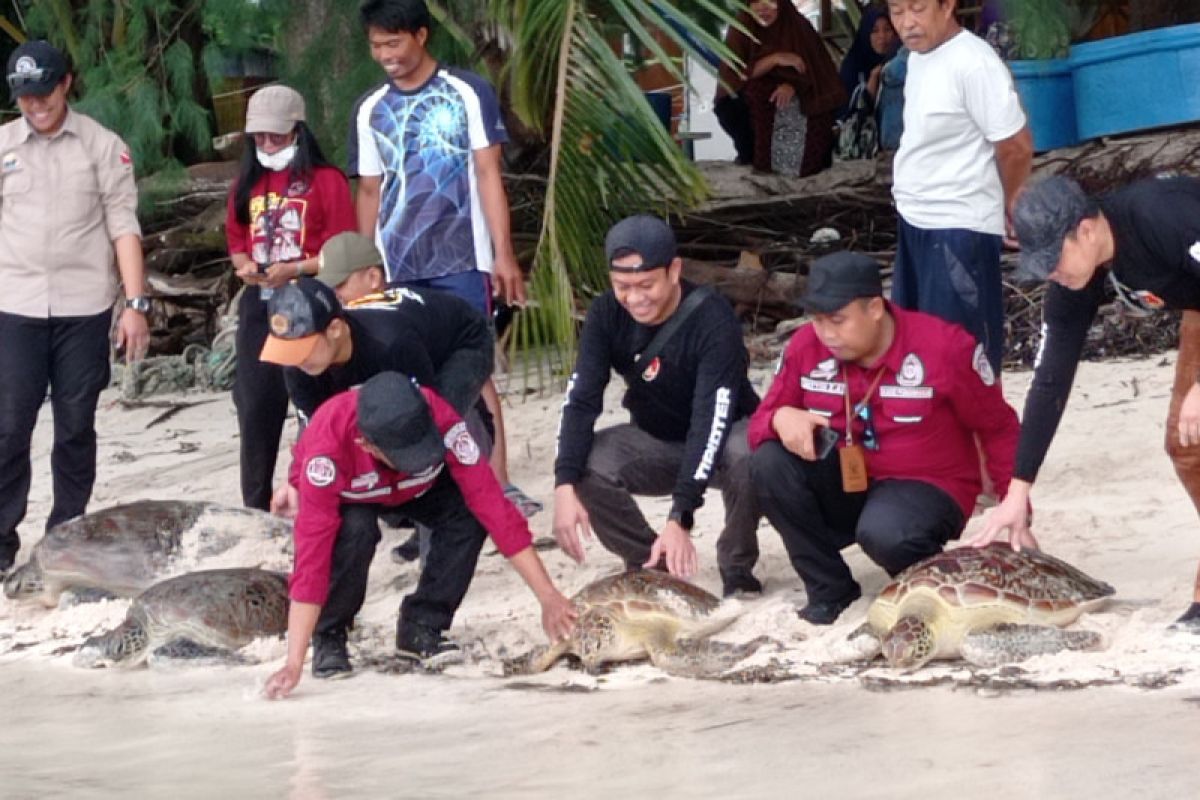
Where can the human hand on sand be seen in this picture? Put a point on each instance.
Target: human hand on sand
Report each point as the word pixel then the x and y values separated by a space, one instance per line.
pixel 280 684
pixel 675 545
pixel 1012 515
pixel 1189 417
pixel 285 501
pixel 570 522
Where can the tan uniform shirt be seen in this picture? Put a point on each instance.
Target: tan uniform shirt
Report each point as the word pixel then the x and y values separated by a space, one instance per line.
pixel 63 200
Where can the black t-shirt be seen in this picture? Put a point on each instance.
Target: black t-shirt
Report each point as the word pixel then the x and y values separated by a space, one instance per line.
pixel 1156 265
pixel 432 336
pixel 692 392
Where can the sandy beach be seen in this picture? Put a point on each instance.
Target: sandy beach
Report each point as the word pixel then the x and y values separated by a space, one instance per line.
pixel 1122 722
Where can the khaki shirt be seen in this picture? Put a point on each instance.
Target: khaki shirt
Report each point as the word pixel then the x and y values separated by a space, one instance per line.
pixel 63 200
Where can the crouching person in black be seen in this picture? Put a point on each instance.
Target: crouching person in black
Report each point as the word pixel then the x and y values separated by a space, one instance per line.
pixel 392 443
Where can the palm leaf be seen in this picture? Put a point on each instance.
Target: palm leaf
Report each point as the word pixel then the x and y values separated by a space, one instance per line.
pixel 610 156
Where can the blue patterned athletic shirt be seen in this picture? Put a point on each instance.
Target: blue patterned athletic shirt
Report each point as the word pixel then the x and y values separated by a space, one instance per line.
pixel 421 142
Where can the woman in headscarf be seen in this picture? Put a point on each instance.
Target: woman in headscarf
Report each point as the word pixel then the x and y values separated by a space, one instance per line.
pixel 874 44
pixel 784 63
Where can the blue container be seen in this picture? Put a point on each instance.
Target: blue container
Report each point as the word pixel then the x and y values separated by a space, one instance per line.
pixel 1138 81
pixel 1048 94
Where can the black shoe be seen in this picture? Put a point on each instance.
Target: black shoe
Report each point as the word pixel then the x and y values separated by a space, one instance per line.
pixel 1189 622
pixel 826 613
pixel 408 550
pixel 739 580
pixel 330 659
pixel 422 643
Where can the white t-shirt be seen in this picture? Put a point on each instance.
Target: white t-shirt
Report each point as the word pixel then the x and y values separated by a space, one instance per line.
pixel 959 100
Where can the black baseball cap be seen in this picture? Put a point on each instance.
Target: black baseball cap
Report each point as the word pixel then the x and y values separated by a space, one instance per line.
pixel 835 280
pixel 393 416
pixel 1042 217
pixel 35 68
pixel 645 235
pixel 296 314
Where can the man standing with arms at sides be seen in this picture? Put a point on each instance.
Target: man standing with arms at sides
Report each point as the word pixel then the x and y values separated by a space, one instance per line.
pixel 68 203
pixel 425 146
pixel 679 348
pixel 965 152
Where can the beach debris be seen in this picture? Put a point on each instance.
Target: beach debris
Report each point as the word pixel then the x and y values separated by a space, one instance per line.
pixel 122 550
pixel 646 614
pixel 196 618
pixel 989 605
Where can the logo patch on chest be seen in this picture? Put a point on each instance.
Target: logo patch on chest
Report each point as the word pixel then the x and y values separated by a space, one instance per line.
pixel 912 371
pixel 651 371
pixel 10 163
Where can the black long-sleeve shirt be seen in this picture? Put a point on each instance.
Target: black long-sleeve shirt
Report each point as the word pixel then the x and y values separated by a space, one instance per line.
pixel 1156 265
pixel 434 337
pixel 692 392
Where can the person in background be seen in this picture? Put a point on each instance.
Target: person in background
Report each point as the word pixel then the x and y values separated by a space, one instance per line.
pixel 68 213
pixel 786 70
pixel 286 201
pixel 874 43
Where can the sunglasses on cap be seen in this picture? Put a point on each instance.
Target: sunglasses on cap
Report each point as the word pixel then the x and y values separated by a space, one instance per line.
pixel 869 439
pixel 17 80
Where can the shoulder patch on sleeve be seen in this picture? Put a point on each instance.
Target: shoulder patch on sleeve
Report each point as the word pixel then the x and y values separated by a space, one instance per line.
pixel 320 471
pixel 982 366
pixel 459 441
pixel 126 158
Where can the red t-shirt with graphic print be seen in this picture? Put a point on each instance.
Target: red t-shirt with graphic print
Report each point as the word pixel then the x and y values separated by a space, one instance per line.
pixel 297 216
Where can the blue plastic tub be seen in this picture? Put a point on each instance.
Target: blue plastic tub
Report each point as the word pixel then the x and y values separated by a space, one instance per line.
pixel 1138 81
pixel 1048 94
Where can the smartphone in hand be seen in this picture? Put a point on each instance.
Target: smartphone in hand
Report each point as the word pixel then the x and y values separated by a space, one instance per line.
pixel 824 440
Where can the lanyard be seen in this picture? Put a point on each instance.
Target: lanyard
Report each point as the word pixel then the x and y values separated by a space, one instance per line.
pixel 860 405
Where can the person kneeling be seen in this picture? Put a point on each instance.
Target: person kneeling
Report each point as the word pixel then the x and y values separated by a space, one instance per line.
pixel 906 395
pixel 392 443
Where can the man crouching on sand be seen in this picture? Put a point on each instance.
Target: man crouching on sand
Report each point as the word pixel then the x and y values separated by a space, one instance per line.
pixel 393 443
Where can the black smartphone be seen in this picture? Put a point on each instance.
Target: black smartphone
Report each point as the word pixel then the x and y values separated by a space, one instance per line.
pixel 824 440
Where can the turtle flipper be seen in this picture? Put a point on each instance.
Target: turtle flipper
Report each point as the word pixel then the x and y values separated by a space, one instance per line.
pixel 690 658
pixel 864 643
pixel 1008 643
pixel 79 595
pixel 537 660
pixel 180 652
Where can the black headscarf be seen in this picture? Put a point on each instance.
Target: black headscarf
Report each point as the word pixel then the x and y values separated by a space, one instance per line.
pixel 862 58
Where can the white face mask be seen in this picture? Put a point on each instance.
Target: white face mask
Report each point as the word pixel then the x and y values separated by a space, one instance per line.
pixel 276 161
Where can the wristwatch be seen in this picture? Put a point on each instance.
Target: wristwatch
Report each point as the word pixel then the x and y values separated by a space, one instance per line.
pixel 140 304
pixel 684 519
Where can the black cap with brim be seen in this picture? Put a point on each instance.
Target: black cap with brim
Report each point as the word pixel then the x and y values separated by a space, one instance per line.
pixel 647 236
pixel 34 69
pixel 393 416
pixel 1045 213
pixel 838 279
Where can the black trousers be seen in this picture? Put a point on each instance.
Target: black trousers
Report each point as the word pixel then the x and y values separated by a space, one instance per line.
pixel 260 396
pixel 733 115
pixel 69 356
pixel 626 461
pixel 896 522
pixel 453 554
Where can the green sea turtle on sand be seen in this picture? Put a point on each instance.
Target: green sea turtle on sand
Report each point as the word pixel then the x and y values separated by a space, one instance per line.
pixel 206 615
pixel 647 614
pixel 122 550
pixel 989 605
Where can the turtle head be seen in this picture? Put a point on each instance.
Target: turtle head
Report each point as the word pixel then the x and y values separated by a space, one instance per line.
pixel 909 644
pixel 24 582
pixel 123 646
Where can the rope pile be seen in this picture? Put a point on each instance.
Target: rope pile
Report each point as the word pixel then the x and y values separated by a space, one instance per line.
pixel 199 367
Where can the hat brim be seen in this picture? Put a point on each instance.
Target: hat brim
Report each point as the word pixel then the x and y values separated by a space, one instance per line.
pixel 35 89
pixel 269 125
pixel 419 456
pixel 1035 266
pixel 827 304
pixel 288 352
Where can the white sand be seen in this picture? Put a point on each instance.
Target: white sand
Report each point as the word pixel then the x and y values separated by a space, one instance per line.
pixel 1106 501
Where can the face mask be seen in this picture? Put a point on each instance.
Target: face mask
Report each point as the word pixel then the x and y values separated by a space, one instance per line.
pixel 276 161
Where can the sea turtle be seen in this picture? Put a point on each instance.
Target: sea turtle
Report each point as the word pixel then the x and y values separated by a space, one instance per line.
pixel 989 605
pixel 122 550
pixel 646 614
pixel 207 614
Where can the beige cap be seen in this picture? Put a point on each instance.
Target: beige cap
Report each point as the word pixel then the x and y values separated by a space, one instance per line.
pixel 274 109
pixel 345 254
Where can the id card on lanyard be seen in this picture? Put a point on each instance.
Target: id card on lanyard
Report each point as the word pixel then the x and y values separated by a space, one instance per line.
pixel 851 458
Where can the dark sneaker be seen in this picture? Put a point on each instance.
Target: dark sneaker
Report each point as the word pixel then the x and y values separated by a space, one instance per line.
pixel 826 613
pixel 407 551
pixel 1189 622
pixel 330 659
pixel 739 580
pixel 422 643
